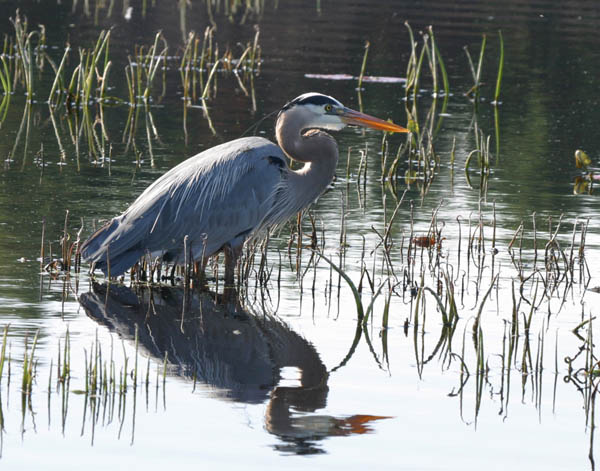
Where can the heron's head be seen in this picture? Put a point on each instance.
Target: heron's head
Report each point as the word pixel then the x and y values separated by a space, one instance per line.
pixel 318 111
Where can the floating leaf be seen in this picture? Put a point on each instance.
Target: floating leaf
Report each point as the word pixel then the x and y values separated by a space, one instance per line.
pixel 428 241
pixel 330 76
pixel 582 160
pixel 423 241
pixel 384 79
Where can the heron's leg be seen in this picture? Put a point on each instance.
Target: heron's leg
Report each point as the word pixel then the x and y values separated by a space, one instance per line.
pixel 231 257
pixel 171 276
pixel 199 274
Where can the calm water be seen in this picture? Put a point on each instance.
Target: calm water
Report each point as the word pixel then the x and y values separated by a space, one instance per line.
pixel 285 378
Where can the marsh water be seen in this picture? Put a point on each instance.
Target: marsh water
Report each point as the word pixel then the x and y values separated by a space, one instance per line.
pixel 478 349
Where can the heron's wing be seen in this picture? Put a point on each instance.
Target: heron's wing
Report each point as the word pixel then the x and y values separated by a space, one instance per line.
pixel 221 193
pixel 235 213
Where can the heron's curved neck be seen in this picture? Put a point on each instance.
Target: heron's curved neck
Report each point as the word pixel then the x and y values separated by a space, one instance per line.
pixel 316 149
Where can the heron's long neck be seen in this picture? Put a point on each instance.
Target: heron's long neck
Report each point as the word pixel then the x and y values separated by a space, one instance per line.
pixel 316 149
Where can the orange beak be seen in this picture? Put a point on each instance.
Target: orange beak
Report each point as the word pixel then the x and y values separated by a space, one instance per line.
pixel 357 118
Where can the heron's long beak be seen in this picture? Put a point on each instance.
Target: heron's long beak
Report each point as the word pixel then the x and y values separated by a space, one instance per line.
pixel 357 118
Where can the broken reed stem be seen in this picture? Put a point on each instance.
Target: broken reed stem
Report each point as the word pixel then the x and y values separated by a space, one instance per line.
pixel 364 65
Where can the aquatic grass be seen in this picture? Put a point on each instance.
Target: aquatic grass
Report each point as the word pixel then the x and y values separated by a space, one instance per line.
pixel 24 49
pixel 195 65
pixel 101 47
pixel 99 387
pixel 58 84
pixel 64 373
pixel 164 371
pixel 255 53
pixel 413 71
pixel 500 70
pixel 4 105
pixel 5 76
pixel 419 150
pixel 188 58
pixel 133 83
pixel 209 80
pixel 29 366
pixel 423 263
pixel 482 150
pixel 64 244
pixel 142 68
pixel 22 134
pixel 153 62
pixel 476 71
pixel 363 315
pixel 437 61
pixel 361 75
pixel 88 82
pixel 3 351
pixel 85 77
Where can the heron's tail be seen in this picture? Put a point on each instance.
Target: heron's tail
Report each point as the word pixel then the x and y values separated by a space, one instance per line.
pixel 99 247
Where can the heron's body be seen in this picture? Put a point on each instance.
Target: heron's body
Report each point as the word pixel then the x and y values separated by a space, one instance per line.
pixel 232 192
pixel 234 189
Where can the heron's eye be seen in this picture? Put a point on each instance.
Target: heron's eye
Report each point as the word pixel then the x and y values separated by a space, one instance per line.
pixel 328 108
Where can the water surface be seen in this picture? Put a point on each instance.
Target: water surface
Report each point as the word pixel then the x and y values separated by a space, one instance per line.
pixel 284 377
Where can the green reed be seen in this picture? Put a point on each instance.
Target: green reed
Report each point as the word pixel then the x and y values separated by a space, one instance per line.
pixel 484 156
pixel 436 62
pixel 189 56
pixel 364 65
pixel 3 351
pixel 89 75
pixel 58 84
pixel 29 366
pixel 476 71
pixel 413 71
pixel 143 67
pixel 500 70
pixel 5 75
pixel 26 60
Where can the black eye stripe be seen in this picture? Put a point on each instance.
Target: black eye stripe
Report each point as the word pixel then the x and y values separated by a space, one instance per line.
pixel 311 99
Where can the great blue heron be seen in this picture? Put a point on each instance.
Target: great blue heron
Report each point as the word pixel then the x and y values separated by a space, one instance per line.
pixel 232 192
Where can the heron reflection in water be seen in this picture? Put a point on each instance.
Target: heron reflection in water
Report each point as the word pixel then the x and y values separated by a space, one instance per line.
pixel 238 354
pixel 231 193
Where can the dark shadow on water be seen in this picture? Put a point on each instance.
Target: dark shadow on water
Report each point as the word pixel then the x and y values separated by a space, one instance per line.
pixel 239 353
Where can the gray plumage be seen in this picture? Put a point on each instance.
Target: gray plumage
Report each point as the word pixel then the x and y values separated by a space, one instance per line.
pixel 213 198
pixel 232 192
